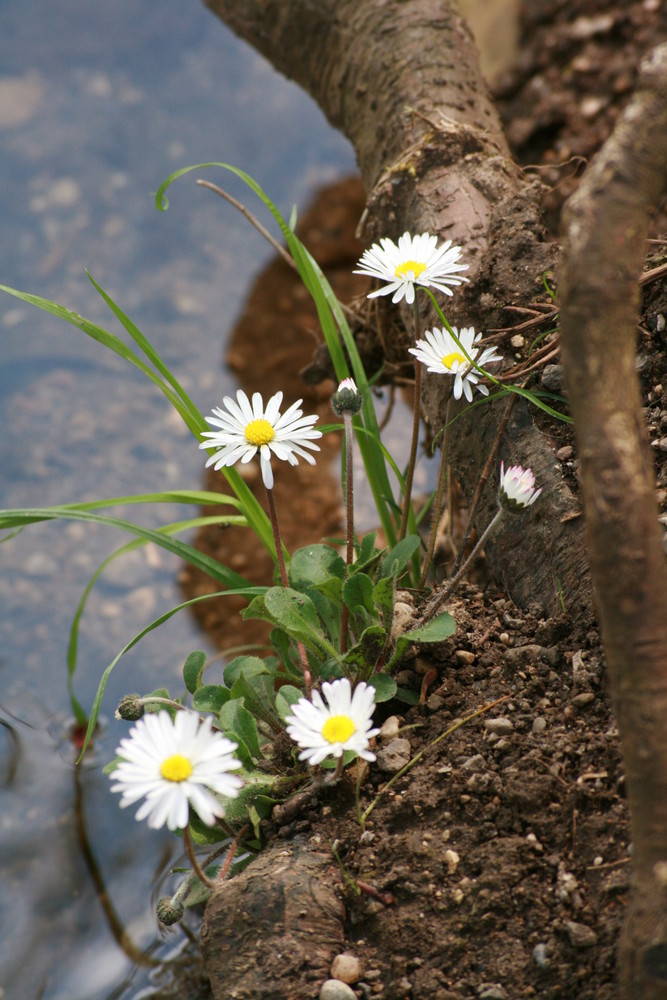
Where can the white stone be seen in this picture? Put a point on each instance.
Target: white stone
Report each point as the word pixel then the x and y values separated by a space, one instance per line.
pixel 346 967
pixel 334 989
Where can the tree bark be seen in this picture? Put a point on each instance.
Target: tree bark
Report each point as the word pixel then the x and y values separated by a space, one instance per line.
pixel 605 225
pixel 440 165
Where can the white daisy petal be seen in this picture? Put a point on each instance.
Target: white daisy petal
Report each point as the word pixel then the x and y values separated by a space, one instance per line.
pixel 327 729
pixel 517 487
pixel 441 354
pixel 246 428
pixel 414 260
pixel 173 764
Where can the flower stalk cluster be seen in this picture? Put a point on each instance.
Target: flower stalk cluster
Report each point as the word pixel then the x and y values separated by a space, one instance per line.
pixel 179 765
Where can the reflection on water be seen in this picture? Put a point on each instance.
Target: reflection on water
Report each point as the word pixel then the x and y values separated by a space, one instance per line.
pixel 98 103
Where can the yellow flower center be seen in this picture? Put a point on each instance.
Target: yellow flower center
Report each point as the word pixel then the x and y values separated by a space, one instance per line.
pixel 176 768
pixel 449 359
pixel 338 729
pixel 259 432
pixel 409 266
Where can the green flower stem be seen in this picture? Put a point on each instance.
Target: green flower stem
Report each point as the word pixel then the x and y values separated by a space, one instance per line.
pixel 331 779
pixel 435 513
pixel 436 603
pixel 273 516
pixel 416 416
pixel 280 556
pixel 349 507
pixel 486 471
pixel 167 702
pixel 196 867
pixel 233 847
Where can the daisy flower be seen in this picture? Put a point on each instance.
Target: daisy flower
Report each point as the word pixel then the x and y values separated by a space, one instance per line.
pixel 245 429
pixel 440 353
pixel 414 260
pixel 517 487
pixel 175 764
pixel 343 723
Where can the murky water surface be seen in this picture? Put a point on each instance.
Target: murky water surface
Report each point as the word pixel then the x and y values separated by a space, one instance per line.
pixel 99 102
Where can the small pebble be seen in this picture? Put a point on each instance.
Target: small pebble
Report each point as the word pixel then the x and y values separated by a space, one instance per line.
pixel 334 989
pixel 474 763
pixel 464 656
pixel 501 726
pixel 452 861
pixel 552 378
pixel 541 955
pixel 346 967
pixel 567 451
pixel 394 756
pixel 492 993
pixel 585 698
pixel 390 728
pixel 517 341
pixel 580 935
pixel 539 725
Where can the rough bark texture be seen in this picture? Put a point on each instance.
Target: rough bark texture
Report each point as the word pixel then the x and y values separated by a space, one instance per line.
pixel 278 920
pixel 605 226
pixel 440 165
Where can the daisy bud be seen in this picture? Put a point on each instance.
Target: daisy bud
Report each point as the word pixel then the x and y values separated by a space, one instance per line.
pixel 517 488
pixel 347 399
pixel 131 708
pixel 168 911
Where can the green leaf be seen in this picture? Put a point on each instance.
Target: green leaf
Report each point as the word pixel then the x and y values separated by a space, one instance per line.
pixel 368 552
pixel 358 593
pixel 255 784
pixel 296 613
pixel 436 630
pixel 385 687
pixel 396 561
pixel 237 721
pixel 439 628
pixel 384 596
pixel 366 652
pixel 192 670
pixel 328 611
pixel 249 666
pixel 407 696
pixel 257 694
pixel 259 810
pixel 285 698
pixel 210 698
pixel 314 565
pixel 281 643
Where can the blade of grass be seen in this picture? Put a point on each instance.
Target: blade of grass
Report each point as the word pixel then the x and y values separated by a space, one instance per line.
pixel 195 422
pixel 136 543
pixel 220 573
pixel 101 688
pixel 332 320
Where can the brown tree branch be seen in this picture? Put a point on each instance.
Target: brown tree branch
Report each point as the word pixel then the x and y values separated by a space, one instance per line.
pixel 402 81
pixel 605 227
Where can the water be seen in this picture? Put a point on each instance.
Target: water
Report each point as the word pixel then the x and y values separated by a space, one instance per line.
pixel 98 104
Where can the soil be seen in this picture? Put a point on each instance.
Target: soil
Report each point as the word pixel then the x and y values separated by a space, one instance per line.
pixel 499 865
